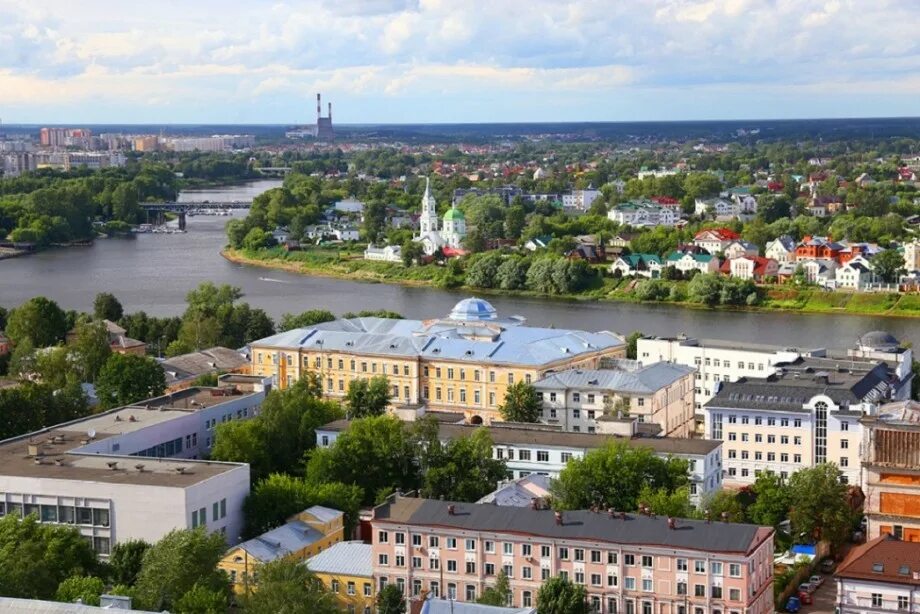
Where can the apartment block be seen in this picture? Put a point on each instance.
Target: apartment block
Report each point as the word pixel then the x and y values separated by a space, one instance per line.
pixel 659 395
pixel 133 472
pixel 544 450
pixel 462 363
pixel 345 570
pixel 882 575
pixel 891 470
pixel 800 416
pixel 628 563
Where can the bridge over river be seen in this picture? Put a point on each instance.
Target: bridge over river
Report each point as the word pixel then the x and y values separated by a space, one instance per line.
pixel 156 211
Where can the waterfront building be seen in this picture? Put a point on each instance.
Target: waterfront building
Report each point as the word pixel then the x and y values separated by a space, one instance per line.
pixel 119 342
pixel 686 262
pixel 430 236
pixel 387 253
pixel 133 472
pixel 781 249
pixel 882 575
pixel 639 265
pixel 463 362
pixel 715 240
pixel 658 395
pixel 912 256
pixel 891 471
pixel 345 570
pixel 626 562
pixel 805 414
pixel 301 536
pixel 535 449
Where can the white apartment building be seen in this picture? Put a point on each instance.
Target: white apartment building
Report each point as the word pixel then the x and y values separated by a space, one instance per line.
pixel 580 199
pixel 643 213
pixel 387 253
pixel 855 274
pixel 801 416
pixel 545 450
pixel 659 395
pixel 133 472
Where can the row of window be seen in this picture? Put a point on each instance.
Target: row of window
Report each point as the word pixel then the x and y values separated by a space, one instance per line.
pixel 525 455
pixel 758 438
pixel 589 399
pixel 771 456
pixel 63 514
pixel 715 362
pixel 218 512
pixel 350 588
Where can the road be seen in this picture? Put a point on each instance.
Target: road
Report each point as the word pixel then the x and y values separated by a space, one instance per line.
pixel 824 597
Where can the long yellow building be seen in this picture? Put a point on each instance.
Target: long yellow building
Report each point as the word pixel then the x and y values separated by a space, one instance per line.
pixel 346 571
pixel 463 362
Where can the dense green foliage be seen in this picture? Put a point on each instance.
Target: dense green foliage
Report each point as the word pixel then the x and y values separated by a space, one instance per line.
pixel 285 585
pixel 367 397
pixel 559 595
pixel 522 403
pixel 29 407
pixel 277 497
pixel 390 600
pixel 126 378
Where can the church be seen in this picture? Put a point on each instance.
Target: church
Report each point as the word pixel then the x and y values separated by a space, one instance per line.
pixel 430 236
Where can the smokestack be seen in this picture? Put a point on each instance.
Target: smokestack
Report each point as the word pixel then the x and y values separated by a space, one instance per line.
pixel 330 111
pixel 319 107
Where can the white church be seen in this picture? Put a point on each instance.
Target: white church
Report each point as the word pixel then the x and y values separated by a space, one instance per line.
pixel 429 235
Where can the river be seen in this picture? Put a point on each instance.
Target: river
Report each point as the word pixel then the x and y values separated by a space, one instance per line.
pixel 153 272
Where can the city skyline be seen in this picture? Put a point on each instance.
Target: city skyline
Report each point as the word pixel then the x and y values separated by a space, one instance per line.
pixel 404 61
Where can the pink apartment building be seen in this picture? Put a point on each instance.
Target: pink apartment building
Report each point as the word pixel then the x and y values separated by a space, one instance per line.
pixel 629 563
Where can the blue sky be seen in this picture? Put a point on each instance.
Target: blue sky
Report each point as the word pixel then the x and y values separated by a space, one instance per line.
pixel 407 61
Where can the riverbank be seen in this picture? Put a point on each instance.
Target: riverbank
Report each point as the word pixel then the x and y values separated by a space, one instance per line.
pixel 333 264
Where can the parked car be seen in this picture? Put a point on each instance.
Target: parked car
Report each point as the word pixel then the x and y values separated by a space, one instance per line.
pixel 793 605
pixel 805 598
pixel 807 587
pixel 817 581
pixel 828 565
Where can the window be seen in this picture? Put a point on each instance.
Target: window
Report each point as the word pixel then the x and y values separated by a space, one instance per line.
pixel 844 425
pixel 844 461
pixel 595 556
pixel 383 559
pixel 699 566
pixel 629 560
pixel 611 558
pixel 525 549
pixel 471 545
pixel 716 568
pixel 647 585
pixel 903 602
pixel 734 570
pixel 699 590
pixel 629 583
pixel 400 538
pixel 434 564
pixel 451 543
pixel 716 592
pixel 576 397
pixel 507 548
pixel 416 562
pixel 470 567
pixel 433 541
pixel 844 444
pixel 681 564
pixel 681 588
pixel 526 599
pixel 579 554
pixel 876 600
pixel 544 552
pixel 527 572
pixel 489 546
pixel 416 540
pixel 350 589
pixel 647 561
pixel 489 569
pixel 595 579
pixel 335 586
pixel 734 594
pixel 563 553
pixel 542 456
pixel 383 537
pixel 611 580
pixel 452 566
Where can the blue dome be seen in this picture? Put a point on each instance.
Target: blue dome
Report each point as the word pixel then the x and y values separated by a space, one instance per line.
pixel 472 310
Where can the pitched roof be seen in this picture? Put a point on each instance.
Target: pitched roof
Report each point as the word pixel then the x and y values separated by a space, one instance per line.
pixel 884 559
pixel 641 380
pixel 635 529
pixel 722 234
pixel 346 558
pixel 281 541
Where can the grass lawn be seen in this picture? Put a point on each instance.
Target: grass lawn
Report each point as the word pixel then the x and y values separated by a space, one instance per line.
pixel 909 304
pixel 872 303
pixel 823 301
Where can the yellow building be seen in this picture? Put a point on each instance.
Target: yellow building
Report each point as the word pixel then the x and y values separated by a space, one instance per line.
pixel 302 536
pixel 346 571
pixel 463 362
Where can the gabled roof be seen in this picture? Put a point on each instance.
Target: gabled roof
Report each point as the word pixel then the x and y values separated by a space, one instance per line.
pixel 721 234
pixel 281 541
pixel 639 261
pixel 884 559
pixel 675 256
pixel 642 380
pixel 353 558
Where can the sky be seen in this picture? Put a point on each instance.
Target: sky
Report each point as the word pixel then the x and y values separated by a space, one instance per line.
pixel 450 61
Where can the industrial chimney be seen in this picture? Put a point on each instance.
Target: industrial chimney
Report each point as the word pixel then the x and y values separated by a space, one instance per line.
pixel 330 111
pixel 319 106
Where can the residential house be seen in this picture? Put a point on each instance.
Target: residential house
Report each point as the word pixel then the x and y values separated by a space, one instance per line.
pixel 593 254
pixel 715 240
pixel 686 262
pixel 541 242
pixel 882 575
pixel 659 394
pixel 181 371
pixel 119 342
pixel 580 199
pixel 643 213
pixel 781 249
pixel 303 535
pixel 349 205
pixel 912 255
pixel 855 274
pixel 640 265
pixel 345 570
pixel 853 250
pixel 627 562
pixel 756 268
pixel 739 248
pixel 864 180
pixel 817 248
pixel 623 239
pixel 715 207
pixel 891 470
pixel 520 492
pixel 387 253
pixel 818 271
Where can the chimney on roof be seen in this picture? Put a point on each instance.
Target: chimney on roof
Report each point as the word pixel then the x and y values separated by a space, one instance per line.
pixel 559 518
pixel 139 467
pixel 113 465
pixel 724 516
pixel 35 450
pixel 672 523
pixel 450 510
pixel 708 517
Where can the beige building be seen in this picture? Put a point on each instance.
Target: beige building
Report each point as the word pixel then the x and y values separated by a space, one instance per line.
pixel 891 470
pixel 912 255
pixel 462 363
pixel 659 395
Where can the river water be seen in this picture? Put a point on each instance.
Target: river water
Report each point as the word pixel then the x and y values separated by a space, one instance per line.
pixel 153 272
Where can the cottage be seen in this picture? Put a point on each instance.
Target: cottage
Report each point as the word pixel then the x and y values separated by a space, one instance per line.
pixel 387 253
pixel 855 274
pixel 781 249
pixel 686 262
pixel 740 248
pixel 641 265
pixel 756 268
pixel 715 240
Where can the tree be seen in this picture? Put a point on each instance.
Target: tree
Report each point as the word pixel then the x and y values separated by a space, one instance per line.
pixel 411 251
pixel 723 501
pixel 126 559
pixel 818 504
pixel 257 239
pixel 889 265
pixel 126 378
pixel 286 585
pixel 390 600
pixel 512 273
pixel 381 442
pixel 483 272
pixel 675 503
pixel 632 341
pixel 87 589
pixel 30 406
pixel 174 565
pixel 367 397
pixel 521 403
pixel 277 439
pixel 498 595
pixel 462 469
pixel 36 558
pixel 289 321
pixel 558 595
pixel 107 307
pixel 771 503
pixel 375 220
pixel 92 349
pixel 202 600
pixel 614 475
pixel 279 496
pixel 705 289
pixel 39 320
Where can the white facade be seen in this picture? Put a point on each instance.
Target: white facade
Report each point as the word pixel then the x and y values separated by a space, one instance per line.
pixel 912 256
pixel 704 263
pixel 643 214
pixel 819 271
pixel 870 597
pixel 855 274
pixel 580 199
pixel 739 249
pixel 716 361
pixel 430 236
pixel 388 253
pixel 781 249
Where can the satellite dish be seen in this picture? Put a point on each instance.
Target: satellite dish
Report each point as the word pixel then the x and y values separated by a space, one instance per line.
pixel 91 433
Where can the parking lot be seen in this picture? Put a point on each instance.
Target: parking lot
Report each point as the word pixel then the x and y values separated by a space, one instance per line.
pixel 823 598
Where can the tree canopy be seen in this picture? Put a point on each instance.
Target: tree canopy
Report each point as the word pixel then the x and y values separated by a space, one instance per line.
pixel 127 378
pixel 522 403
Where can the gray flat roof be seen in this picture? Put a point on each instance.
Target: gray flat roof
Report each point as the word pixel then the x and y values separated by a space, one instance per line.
pixel 585 525
pixel 641 380
pixel 353 558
